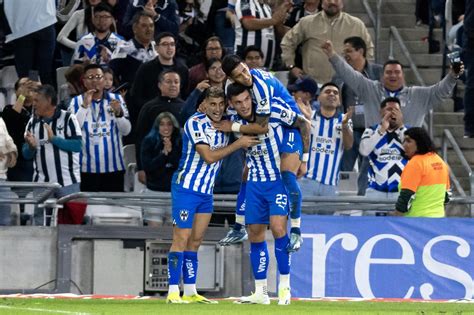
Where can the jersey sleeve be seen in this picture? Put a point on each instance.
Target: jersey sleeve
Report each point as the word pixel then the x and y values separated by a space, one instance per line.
pixel 74 129
pixel 195 132
pixel 242 9
pixel 262 93
pixel 411 176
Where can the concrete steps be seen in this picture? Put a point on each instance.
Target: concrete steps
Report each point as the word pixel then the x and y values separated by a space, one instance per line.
pixel 408 33
pixel 399 6
pixel 391 19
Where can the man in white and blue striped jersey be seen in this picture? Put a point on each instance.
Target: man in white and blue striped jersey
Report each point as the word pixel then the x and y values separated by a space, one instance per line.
pixel 266 92
pixel 266 195
pixel 53 139
pixel 103 118
pixel 331 133
pixel 192 189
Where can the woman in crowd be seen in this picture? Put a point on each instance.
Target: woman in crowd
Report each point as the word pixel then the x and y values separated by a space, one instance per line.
pixel 160 154
pixel 425 179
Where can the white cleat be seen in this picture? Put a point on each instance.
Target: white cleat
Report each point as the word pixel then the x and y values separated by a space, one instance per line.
pixel 256 298
pixel 284 296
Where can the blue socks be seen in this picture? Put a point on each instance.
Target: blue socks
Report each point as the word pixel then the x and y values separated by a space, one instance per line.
pixel 190 267
pixel 175 265
pixel 259 260
pixel 295 197
pixel 281 254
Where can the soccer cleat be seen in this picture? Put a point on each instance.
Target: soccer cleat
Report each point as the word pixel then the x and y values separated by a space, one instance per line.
pixel 234 237
pixel 256 298
pixel 284 296
pixel 174 298
pixel 196 298
pixel 296 241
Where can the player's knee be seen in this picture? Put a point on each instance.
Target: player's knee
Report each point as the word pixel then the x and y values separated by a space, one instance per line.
pixel 278 231
pixel 194 243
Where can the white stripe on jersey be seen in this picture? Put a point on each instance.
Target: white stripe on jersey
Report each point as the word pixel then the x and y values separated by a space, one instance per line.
pixel 102 134
pixel 193 172
pixel 326 149
pixel 53 165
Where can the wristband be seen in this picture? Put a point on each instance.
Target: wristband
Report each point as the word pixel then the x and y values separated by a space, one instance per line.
pixel 305 157
pixel 235 127
pixel 21 98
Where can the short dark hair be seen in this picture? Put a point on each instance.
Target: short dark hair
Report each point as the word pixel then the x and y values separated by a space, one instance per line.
pixel 392 62
pixel 424 144
pixel 235 89
pixel 214 91
pixel 390 99
pixel 229 63
pixel 48 91
pixel 162 74
pixel 251 48
pixel 208 63
pixel 93 66
pixel 212 39
pixel 103 7
pixel 328 84
pixel 162 35
pixel 356 42
pixel 139 15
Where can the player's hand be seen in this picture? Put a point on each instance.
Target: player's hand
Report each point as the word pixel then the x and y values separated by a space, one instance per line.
pixel 49 131
pixel 203 85
pixel 30 139
pixel 385 124
pixel 88 97
pixel 248 141
pixel 328 48
pixel 348 115
pixel 302 170
pixel 305 107
pixel 223 125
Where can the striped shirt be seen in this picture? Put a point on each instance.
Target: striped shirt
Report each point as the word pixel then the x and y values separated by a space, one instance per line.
pixel 386 161
pixel 264 38
pixel 326 148
pixel 193 172
pixel 51 164
pixel 101 134
pixel 89 48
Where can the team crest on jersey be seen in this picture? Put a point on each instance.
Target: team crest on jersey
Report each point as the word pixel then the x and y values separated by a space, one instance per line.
pixel 197 134
pixel 183 215
pixel 59 127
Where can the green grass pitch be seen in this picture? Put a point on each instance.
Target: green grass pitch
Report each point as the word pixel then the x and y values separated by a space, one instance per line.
pixel 225 307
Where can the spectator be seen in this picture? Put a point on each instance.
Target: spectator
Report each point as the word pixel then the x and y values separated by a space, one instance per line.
pixel 212 49
pixel 8 155
pixel 164 13
pixel 146 88
pixel 167 101
pixel 16 118
pixel 382 144
pixel 253 57
pixel 81 22
pixel 468 55
pixel 221 21
pixel 415 101
pixel 331 133
pixel 34 39
pixel 425 179
pixel 128 56
pixel 305 90
pixel 103 118
pixel 329 24
pixel 53 140
pixel 355 55
pixel 98 45
pixel 74 76
pixel 160 154
pixel 256 25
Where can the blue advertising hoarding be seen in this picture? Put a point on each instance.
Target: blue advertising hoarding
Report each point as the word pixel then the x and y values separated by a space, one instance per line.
pixel 384 257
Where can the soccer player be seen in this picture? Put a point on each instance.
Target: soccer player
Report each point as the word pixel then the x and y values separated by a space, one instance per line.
pixel 293 140
pixel 266 196
pixel 203 149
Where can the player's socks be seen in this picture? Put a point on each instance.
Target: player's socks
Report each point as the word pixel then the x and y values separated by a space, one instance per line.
pixel 190 268
pixel 240 208
pixel 175 265
pixel 294 195
pixel 281 254
pixel 261 287
pixel 284 281
pixel 259 260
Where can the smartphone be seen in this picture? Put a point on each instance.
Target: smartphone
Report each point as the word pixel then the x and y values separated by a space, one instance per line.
pixel 33 75
pixel 121 87
pixel 455 59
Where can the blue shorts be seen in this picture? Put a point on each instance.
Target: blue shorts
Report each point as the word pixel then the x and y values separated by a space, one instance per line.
pixel 292 142
pixel 264 199
pixel 186 203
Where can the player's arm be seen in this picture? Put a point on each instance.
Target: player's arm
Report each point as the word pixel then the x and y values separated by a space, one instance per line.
pixel 259 127
pixel 212 156
pixel 305 128
pixel 347 136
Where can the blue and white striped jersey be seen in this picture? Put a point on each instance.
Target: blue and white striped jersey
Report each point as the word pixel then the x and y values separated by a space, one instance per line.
pixel 326 148
pixel 263 160
pixel 193 172
pixel 101 134
pixel 386 160
pixel 265 89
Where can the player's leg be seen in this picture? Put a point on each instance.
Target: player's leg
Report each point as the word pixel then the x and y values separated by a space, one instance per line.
pixel 190 264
